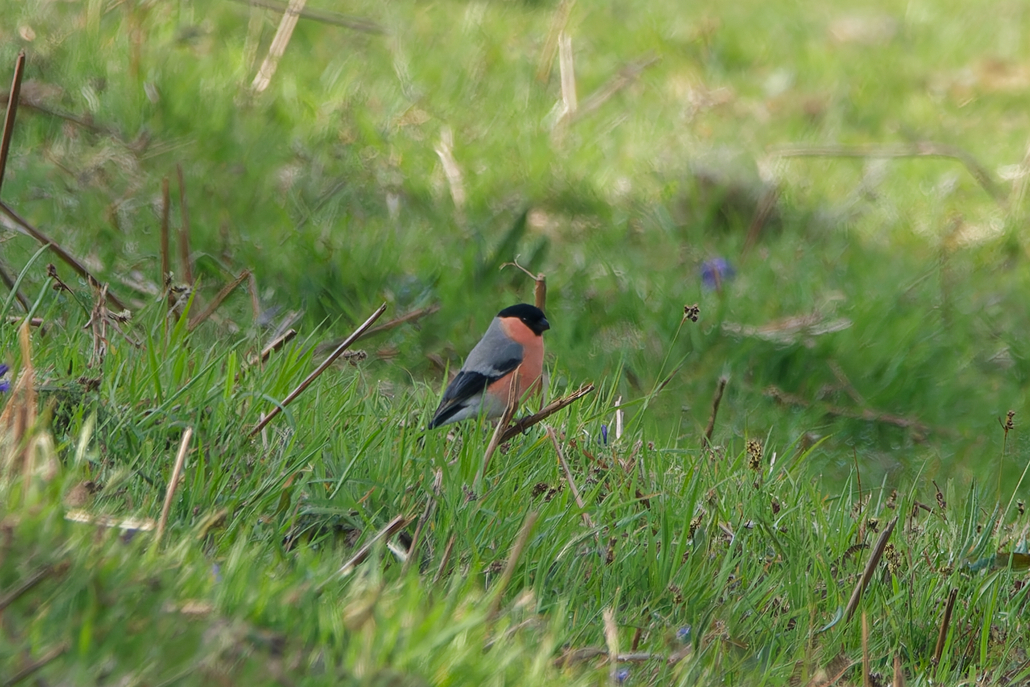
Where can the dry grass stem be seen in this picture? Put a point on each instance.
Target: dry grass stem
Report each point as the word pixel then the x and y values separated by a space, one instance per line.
pixel 273 346
pixel 899 674
pixel 173 482
pixel 444 560
pixel 128 524
pixel 326 17
pixel 359 557
pixel 22 225
pixel 184 230
pixel 217 302
pixel 19 416
pixel 12 111
pixel 166 258
pixel 547 411
pixel 567 69
pixel 9 282
pixel 509 412
pixel 865 414
pixel 30 583
pixel 320 369
pixel 36 665
pixel 455 179
pixel 403 319
pixel 870 568
pixel 626 76
pixel 278 46
pixel 559 20
pixel 568 478
pixel 611 639
pixel 716 400
pixel 512 562
pixel 539 287
pixel 920 149
pixel 426 515
pixel 942 636
pixel 766 204
pixel 866 680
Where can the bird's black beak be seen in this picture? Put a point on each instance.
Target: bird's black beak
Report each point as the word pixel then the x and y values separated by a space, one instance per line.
pixel 544 324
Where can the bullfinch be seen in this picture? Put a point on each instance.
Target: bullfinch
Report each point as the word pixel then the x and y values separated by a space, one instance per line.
pixel 513 344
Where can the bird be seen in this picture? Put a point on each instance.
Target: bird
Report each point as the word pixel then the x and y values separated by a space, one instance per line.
pixel 513 344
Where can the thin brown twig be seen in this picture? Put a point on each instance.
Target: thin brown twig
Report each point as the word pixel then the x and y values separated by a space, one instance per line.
pixel 29 584
pixel 166 258
pixel 276 50
pixel 444 560
pixel 611 639
pixel 867 574
pixel 568 478
pixel 716 400
pixel 60 252
pixel 39 663
pixel 426 515
pixel 506 416
pixel 12 110
pixel 335 18
pixel 766 204
pixel 396 322
pixel 513 561
pixel 900 150
pixel 540 283
pixel 558 21
pixel 319 370
pixel 184 229
pixel 391 528
pixel 547 411
pixel 217 302
pixel 180 459
pixel 866 414
pixel 626 76
pixel 9 283
pixel 942 636
pixel 274 346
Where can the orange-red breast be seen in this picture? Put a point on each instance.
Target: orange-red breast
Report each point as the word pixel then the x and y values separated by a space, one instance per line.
pixel 513 344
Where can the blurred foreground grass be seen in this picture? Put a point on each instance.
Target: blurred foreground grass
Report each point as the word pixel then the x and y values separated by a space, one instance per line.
pixel 876 321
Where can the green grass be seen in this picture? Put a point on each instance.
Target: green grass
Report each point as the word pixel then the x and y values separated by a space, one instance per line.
pixel 328 186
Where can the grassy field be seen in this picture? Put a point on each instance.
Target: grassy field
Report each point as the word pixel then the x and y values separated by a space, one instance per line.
pixel 861 170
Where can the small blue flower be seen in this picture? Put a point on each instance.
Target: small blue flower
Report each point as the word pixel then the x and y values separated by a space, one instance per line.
pixel 683 634
pixel 604 434
pixel 5 385
pixel 621 675
pixel 216 572
pixel 715 272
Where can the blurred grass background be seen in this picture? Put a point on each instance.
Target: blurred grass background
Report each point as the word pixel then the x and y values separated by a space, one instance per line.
pixel 878 320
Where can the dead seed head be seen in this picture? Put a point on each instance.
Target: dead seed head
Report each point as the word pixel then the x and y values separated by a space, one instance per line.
pixel 754 454
pixel 691 312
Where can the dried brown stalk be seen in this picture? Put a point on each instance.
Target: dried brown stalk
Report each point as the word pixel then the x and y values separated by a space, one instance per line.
pixel 901 150
pixel 513 561
pixel 865 414
pixel 403 319
pixel 509 412
pixel 391 528
pixel 278 46
pixel 547 411
pixel 568 478
pixel 31 582
pixel 626 76
pixel 766 204
pixel 80 269
pixel 166 258
pixel 716 400
pixel 184 230
pixel 173 482
pixel 942 636
pixel 9 283
pixel 335 18
pixel 36 665
pixel 444 560
pixel 12 110
pixel 870 568
pixel 319 370
pixel 558 21
pixel 217 302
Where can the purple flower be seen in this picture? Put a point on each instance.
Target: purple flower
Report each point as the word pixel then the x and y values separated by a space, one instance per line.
pixel 715 272
pixel 5 385
pixel 621 675
pixel 683 634
pixel 604 434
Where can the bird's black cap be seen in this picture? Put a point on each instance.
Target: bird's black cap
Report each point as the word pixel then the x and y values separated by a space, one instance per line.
pixel 532 316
